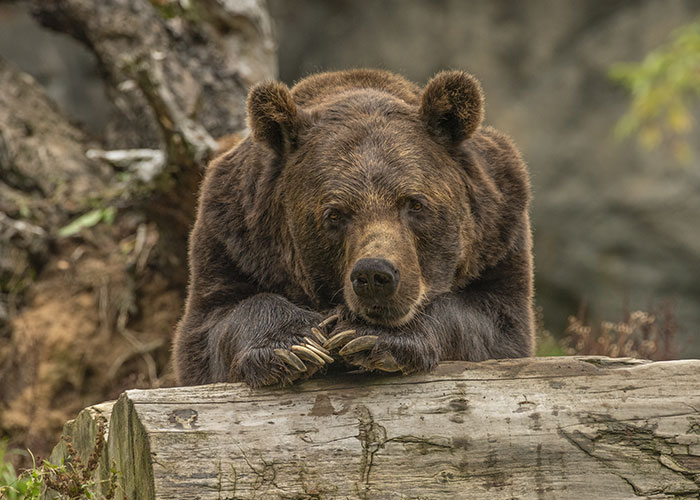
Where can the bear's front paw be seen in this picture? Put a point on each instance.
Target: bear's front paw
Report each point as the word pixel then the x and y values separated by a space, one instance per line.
pixel 282 365
pixel 374 349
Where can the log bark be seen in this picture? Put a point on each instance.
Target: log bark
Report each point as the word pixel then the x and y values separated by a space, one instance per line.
pixel 543 428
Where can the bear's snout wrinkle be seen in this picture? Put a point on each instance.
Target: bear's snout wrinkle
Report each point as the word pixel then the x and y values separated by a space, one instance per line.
pixel 382 277
pixel 375 279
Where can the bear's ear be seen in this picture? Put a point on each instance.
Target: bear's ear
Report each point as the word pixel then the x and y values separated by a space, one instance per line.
pixel 452 106
pixel 273 117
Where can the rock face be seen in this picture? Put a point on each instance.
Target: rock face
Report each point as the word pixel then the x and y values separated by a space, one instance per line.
pixel 614 226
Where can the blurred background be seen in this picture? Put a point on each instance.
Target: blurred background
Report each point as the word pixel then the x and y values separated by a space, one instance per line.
pixel 108 112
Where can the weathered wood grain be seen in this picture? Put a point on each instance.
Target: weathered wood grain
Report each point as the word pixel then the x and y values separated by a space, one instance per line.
pixel 547 428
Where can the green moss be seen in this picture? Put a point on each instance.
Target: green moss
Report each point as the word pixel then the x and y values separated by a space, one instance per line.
pixel 167 9
pixel 186 9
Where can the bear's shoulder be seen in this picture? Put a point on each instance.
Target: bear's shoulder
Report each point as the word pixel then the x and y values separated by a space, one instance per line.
pixel 502 161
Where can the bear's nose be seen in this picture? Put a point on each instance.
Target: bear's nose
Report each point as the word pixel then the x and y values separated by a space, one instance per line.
pixel 374 278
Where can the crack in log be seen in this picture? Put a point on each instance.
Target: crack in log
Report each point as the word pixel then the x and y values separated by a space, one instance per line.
pixel 263 476
pixel 691 407
pixel 589 452
pixel 614 363
pixel 218 479
pixel 372 436
pixel 419 440
pixel 640 438
pixel 636 490
pixel 694 427
pixel 631 419
pixel 342 438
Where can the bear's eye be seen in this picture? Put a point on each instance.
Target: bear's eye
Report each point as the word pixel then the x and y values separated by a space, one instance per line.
pixel 334 216
pixel 415 206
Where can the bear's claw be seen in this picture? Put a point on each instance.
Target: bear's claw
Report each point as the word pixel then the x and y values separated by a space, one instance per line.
pixel 330 319
pixel 387 363
pixel 339 340
pixel 291 359
pixel 307 354
pixel 312 343
pixel 363 343
pixel 319 336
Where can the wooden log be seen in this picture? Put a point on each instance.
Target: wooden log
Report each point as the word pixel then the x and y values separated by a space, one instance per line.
pixel 543 428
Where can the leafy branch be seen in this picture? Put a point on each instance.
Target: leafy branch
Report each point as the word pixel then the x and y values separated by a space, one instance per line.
pixel 664 88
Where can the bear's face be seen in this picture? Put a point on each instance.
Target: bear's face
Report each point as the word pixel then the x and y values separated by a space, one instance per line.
pixel 375 201
pixel 376 208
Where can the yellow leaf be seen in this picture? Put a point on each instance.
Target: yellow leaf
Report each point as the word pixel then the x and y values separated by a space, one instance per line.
pixel 679 119
pixel 650 137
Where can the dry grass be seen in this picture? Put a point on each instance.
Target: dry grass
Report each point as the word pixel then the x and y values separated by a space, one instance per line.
pixel 646 335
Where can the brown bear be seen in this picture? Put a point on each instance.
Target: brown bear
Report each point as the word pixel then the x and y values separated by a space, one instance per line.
pixel 363 199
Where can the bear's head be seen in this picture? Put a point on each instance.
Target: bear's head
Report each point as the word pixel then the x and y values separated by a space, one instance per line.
pixel 375 186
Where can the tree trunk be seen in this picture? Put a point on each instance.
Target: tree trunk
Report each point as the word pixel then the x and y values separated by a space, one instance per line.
pixel 179 73
pixel 543 428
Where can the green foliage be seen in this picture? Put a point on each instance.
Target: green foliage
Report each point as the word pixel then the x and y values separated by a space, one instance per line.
pixel 547 345
pixel 88 219
pixel 73 480
pixel 169 9
pixel 664 88
pixel 13 486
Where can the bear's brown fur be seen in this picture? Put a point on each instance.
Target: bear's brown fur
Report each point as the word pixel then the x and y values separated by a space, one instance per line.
pixel 360 194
